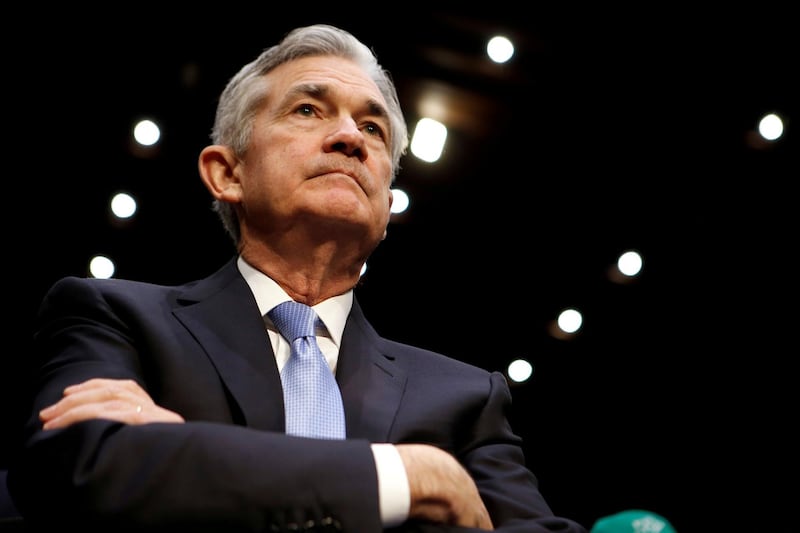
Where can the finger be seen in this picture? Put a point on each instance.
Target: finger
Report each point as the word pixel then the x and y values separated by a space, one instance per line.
pixel 99 390
pixel 126 411
pixel 109 386
pixel 483 520
pixel 115 399
pixel 159 414
pixel 92 395
pixel 113 410
pixel 69 402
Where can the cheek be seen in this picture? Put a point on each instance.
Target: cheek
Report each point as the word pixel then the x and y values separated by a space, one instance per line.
pixel 382 172
pixel 267 161
pixel 385 200
pixel 386 195
pixel 258 178
pixel 291 153
pixel 275 148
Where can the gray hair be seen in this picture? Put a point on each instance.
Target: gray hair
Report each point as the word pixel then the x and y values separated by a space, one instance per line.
pixel 244 94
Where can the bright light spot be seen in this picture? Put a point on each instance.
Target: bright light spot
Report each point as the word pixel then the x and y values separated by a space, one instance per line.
pixel 500 49
pixel 427 142
pixel 570 320
pixel 400 202
pixel 363 269
pixel 123 205
pixel 771 127
pixel 520 370
pixel 630 263
pixel 101 267
pixel 146 133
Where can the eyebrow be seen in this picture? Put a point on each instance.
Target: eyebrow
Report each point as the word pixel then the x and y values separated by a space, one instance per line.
pixel 320 91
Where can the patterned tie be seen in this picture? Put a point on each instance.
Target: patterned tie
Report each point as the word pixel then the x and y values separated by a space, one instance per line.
pixel 310 393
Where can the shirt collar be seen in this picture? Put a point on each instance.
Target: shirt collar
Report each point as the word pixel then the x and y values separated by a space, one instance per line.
pixel 333 311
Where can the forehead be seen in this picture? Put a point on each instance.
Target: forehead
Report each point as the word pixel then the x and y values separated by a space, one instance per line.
pixel 332 71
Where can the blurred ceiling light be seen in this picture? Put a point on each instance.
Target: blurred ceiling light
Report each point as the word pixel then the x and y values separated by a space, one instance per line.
pixel 520 370
pixel 427 142
pixel 630 263
pixel 400 202
pixel 499 49
pixel 101 267
pixel 770 127
pixel 146 133
pixel 123 205
pixel 570 320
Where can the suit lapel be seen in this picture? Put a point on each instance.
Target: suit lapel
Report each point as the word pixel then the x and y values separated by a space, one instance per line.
pixel 222 315
pixel 371 383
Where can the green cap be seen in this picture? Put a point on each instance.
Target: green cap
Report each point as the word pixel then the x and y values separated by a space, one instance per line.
pixel 633 521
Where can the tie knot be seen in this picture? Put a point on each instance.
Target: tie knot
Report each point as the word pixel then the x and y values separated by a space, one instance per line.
pixel 294 320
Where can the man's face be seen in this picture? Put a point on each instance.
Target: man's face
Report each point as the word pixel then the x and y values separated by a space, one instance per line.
pixel 320 150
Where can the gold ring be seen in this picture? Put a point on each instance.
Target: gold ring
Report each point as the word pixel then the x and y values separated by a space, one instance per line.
pixel 139 408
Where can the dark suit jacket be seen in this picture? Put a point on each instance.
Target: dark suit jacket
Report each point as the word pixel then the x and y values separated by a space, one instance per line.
pixel 202 350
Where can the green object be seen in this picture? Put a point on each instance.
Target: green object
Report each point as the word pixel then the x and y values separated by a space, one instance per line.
pixel 633 521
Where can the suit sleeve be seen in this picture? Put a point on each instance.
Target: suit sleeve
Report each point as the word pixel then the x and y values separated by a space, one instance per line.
pixel 496 461
pixel 469 418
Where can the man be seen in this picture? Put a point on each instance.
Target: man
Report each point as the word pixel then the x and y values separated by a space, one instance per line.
pixel 161 408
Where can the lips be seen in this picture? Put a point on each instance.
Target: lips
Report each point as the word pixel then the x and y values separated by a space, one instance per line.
pixel 355 175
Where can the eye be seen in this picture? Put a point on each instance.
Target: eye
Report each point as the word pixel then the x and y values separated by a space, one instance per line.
pixel 374 129
pixel 305 109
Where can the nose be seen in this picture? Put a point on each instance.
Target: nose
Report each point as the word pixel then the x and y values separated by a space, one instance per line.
pixel 347 139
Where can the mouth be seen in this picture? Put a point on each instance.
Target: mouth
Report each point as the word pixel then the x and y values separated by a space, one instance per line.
pixel 338 172
pixel 341 173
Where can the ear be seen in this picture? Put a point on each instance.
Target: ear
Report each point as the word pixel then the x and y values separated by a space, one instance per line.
pixel 217 165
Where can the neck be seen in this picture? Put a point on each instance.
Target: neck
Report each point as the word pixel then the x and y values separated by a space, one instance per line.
pixel 308 275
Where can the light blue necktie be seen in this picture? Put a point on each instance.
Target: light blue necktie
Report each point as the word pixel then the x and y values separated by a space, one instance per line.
pixel 310 393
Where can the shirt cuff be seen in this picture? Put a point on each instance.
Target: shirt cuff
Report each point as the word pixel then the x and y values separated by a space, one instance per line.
pixel 394 496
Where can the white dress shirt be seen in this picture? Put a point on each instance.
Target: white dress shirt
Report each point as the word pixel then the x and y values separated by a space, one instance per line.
pixel 393 491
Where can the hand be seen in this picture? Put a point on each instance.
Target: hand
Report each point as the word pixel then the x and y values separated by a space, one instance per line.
pixel 122 400
pixel 442 490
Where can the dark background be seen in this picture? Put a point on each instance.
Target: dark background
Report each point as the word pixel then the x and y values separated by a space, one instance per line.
pixel 609 130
